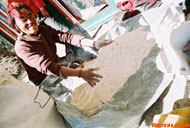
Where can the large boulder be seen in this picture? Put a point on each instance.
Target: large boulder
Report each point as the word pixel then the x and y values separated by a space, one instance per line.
pixel 18 109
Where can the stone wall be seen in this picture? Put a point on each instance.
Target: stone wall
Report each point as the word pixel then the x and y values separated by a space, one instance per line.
pixel 8 59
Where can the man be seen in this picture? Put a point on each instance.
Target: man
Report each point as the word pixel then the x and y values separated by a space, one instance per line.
pixel 35 47
pixel 74 54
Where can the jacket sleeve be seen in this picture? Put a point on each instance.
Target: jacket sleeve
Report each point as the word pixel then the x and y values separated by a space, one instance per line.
pixel 64 37
pixel 39 3
pixel 32 58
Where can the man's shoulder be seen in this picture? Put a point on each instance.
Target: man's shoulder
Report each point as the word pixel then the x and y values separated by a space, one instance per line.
pixel 20 40
pixel 20 44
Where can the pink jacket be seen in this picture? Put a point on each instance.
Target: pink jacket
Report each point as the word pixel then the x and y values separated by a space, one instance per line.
pixel 38 53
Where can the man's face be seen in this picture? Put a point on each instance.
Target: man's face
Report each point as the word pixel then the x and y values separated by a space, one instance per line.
pixel 26 22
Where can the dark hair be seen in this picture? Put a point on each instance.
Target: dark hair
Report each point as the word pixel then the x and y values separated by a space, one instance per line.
pixel 187 4
pixel 17 7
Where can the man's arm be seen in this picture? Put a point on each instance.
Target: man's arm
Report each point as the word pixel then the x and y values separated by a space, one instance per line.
pixel 77 40
pixel 32 58
pixel 88 75
pixel 64 37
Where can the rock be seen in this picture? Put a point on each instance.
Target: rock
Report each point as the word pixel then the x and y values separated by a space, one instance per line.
pixel 8 59
pixel 18 109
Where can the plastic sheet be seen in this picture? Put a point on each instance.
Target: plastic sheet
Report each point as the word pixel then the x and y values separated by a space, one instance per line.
pixel 171 35
pixel 128 105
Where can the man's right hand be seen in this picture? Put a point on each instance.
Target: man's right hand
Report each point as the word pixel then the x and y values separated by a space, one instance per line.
pixel 91 77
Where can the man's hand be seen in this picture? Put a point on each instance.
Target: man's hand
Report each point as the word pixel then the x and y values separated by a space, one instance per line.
pixel 90 76
pixel 44 12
